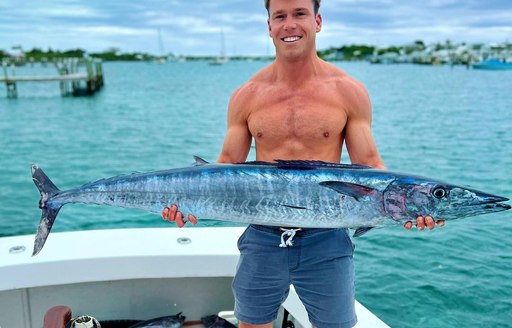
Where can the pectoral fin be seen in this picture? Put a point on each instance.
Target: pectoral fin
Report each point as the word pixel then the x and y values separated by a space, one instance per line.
pixel 361 231
pixel 350 189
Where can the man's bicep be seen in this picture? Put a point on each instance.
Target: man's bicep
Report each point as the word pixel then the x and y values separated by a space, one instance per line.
pixel 361 145
pixel 237 144
pixel 358 133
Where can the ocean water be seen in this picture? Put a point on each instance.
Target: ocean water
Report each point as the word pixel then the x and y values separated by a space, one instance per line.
pixel 449 123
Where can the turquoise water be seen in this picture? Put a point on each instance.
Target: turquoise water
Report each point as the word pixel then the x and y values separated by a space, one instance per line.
pixel 449 123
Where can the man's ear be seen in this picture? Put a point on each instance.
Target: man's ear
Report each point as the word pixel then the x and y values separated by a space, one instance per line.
pixel 269 28
pixel 318 20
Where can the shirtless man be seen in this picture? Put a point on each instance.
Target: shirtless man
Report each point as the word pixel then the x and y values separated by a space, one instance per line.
pixel 298 107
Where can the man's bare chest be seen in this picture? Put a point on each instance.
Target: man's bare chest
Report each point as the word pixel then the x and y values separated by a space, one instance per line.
pixel 296 116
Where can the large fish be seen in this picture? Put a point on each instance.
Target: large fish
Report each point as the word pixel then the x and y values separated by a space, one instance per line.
pixel 308 194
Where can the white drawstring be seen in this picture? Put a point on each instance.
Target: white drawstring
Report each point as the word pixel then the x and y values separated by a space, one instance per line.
pixel 290 233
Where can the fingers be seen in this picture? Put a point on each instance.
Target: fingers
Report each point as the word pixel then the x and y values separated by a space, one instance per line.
pixel 169 213
pixel 172 214
pixel 424 222
pixel 179 219
pixel 192 219
pixel 429 222
pixel 420 223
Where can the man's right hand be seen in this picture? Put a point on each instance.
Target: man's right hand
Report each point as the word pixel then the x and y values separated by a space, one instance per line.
pixel 172 214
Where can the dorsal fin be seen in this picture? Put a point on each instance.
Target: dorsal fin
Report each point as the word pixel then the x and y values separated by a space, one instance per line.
pixel 256 163
pixel 311 165
pixel 306 165
pixel 199 161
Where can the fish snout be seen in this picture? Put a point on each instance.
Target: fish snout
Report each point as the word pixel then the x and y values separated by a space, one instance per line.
pixel 490 203
pixel 483 198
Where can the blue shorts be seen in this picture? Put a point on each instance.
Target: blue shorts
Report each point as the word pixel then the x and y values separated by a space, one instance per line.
pixel 319 264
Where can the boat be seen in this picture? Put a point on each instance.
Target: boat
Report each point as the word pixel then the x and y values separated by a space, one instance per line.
pixel 130 274
pixel 161 58
pixel 493 64
pixel 221 59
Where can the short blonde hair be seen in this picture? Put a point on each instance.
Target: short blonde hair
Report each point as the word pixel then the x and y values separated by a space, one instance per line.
pixel 316 5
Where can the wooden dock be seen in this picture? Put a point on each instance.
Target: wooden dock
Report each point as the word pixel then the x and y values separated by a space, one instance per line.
pixel 77 77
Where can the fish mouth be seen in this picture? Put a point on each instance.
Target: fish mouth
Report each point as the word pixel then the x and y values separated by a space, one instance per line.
pixel 491 202
pixel 492 207
pixel 480 205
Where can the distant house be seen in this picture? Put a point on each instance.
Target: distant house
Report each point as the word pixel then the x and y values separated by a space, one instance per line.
pixel 16 56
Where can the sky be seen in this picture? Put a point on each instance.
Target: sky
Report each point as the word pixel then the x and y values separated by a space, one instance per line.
pixel 197 27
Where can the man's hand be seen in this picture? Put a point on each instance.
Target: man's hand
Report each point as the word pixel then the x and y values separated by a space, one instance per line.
pixel 422 222
pixel 172 214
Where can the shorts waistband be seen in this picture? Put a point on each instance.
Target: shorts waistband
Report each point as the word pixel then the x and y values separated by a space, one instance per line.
pixel 298 231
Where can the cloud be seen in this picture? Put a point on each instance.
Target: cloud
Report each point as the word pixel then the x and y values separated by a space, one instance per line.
pixel 194 27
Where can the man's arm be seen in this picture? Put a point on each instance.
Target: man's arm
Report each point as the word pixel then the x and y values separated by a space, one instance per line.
pixel 236 147
pixel 358 136
pixel 361 145
pixel 237 142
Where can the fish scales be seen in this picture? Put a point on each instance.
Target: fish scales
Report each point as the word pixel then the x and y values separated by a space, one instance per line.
pixel 308 194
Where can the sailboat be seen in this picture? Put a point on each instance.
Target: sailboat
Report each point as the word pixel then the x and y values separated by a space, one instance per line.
pixel 161 58
pixel 221 59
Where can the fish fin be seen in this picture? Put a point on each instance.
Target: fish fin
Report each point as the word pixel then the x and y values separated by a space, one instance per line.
pixel 47 189
pixel 350 189
pixel 311 165
pixel 305 165
pixel 262 163
pixel 361 231
pixel 295 207
pixel 198 161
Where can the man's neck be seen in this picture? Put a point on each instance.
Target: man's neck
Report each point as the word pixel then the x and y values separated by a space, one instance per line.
pixel 295 70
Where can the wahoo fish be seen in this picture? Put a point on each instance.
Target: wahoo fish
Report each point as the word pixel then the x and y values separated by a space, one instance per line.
pixel 306 194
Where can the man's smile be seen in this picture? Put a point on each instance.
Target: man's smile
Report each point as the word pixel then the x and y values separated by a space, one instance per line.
pixel 290 39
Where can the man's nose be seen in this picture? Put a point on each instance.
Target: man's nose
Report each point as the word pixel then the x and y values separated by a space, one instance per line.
pixel 290 24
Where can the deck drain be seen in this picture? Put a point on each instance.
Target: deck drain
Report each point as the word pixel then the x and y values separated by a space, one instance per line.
pixel 184 240
pixel 17 249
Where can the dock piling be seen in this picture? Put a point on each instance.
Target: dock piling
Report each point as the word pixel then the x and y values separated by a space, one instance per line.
pixel 10 84
pixel 70 77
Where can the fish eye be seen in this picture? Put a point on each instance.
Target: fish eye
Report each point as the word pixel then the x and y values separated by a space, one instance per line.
pixel 439 192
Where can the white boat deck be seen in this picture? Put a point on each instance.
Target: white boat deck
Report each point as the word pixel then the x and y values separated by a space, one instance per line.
pixel 113 272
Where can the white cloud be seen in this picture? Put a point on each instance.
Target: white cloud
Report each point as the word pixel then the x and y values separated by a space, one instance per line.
pixel 193 27
pixel 106 30
pixel 72 12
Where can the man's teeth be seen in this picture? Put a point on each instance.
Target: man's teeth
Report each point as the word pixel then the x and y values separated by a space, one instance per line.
pixel 291 39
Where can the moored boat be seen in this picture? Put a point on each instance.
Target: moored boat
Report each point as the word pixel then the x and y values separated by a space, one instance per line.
pixel 493 64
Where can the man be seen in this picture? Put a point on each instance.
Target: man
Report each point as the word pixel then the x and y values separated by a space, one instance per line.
pixel 298 107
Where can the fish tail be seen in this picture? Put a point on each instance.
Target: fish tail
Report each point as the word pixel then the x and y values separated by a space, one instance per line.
pixel 49 211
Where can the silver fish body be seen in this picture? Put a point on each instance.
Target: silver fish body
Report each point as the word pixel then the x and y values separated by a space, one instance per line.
pixel 307 194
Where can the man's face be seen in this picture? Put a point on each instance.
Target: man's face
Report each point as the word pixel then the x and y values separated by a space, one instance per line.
pixel 293 26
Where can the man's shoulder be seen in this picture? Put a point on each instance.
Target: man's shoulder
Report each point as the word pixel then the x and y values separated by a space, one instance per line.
pixel 348 90
pixel 255 84
pixel 341 78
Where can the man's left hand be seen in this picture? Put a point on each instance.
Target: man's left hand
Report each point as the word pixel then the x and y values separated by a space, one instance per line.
pixel 422 222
